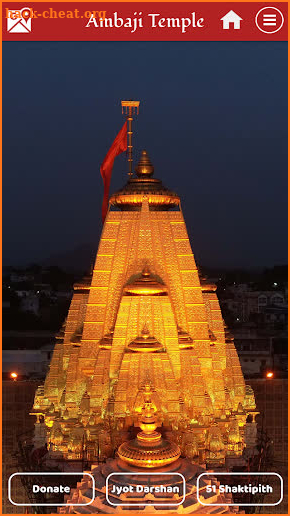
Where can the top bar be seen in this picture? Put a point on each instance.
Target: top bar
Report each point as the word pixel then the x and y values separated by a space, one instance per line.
pixel 178 21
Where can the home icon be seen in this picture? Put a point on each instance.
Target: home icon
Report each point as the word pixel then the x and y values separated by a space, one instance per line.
pixel 231 17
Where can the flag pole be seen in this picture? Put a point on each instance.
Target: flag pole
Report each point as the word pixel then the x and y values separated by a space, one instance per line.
pixel 130 108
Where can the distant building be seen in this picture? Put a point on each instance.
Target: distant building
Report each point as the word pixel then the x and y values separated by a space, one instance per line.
pixel 43 288
pixel 27 362
pixel 63 294
pixel 27 353
pixel 17 427
pixel 30 303
pixel 21 277
pixel 259 351
pixel 272 403
pixel 23 292
pixel 254 350
pixel 264 306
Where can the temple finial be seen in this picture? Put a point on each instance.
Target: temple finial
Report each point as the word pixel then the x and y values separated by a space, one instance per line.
pixel 144 167
pixel 130 108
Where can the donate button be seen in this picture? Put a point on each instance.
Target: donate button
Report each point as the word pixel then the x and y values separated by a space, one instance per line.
pixel 47 488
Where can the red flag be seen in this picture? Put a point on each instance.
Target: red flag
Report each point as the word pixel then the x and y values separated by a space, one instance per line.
pixel 119 145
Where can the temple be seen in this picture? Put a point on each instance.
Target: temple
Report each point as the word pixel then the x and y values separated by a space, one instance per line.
pixel 144 328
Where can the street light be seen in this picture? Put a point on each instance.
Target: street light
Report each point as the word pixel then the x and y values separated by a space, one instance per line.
pixel 14 376
pixel 269 374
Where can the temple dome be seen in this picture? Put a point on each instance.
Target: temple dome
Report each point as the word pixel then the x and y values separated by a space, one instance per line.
pixel 149 453
pixel 145 284
pixel 145 343
pixel 149 449
pixel 131 195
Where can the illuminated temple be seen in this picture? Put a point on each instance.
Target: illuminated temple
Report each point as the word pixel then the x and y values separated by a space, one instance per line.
pixel 144 335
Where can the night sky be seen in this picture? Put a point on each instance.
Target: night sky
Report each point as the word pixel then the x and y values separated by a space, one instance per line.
pixel 213 118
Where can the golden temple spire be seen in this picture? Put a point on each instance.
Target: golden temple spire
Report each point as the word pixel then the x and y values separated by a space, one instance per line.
pixel 129 108
pixel 144 167
pixel 144 318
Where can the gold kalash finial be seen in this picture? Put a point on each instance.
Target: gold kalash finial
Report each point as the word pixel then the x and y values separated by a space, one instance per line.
pixel 130 108
pixel 149 449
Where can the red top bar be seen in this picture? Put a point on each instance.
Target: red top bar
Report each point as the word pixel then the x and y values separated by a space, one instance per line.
pixel 180 21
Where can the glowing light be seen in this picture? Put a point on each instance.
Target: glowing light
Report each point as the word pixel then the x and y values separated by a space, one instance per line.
pixel 269 374
pixel 14 376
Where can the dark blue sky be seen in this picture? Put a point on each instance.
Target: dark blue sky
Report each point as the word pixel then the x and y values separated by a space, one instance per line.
pixel 213 118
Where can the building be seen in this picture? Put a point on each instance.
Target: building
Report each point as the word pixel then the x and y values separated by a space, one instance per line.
pixel 17 427
pixel 144 345
pixel 27 353
pixel 21 276
pixel 27 363
pixel 30 303
pixel 144 317
pixel 272 403
pixel 265 307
